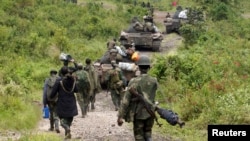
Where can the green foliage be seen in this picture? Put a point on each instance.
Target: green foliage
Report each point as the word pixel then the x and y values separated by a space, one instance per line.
pixel 221 12
pixel 34 33
pixel 194 27
pixel 14 108
pixel 40 137
pixel 188 69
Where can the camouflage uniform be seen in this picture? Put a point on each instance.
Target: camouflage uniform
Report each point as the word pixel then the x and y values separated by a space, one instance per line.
pixel 95 86
pixel 133 111
pixel 116 84
pixel 83 96
pixel 54 119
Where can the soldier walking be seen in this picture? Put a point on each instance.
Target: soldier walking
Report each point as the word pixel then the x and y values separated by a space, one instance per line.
pixel 83 85
pixel 132 110
pixel 54 120
pixel 115 84
pixel 95 86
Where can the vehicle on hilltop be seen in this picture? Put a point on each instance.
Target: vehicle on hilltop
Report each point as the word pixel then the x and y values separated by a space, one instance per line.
pixel 142 35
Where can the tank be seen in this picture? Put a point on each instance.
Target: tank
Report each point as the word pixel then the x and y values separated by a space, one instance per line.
pixel 172 25
pixel 144 35
pixel 174 22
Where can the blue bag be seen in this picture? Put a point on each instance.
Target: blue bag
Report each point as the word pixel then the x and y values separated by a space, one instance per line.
pixel 45 112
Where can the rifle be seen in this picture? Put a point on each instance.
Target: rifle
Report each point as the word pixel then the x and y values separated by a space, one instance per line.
pixel 146 104
pixel 171 117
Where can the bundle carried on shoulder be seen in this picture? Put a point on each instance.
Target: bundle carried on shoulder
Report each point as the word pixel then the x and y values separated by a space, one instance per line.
pixel 127 66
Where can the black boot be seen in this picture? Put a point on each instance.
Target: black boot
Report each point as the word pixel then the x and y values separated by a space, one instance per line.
pixel 67 133
pixel 51 125
pixel 67 130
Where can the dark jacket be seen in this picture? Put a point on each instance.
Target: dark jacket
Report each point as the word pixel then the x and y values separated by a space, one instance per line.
pixel 66 103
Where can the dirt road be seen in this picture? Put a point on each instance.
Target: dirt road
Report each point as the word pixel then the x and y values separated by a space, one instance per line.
pixel 99 125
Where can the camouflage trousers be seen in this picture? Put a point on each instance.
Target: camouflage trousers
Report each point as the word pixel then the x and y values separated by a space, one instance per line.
pixel 92 99
pixel 143 128
pixel 66 123
pixel 83 100
pixel 116 97
pixel 53 115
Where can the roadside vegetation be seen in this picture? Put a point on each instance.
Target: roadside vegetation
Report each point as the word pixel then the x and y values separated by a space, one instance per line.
pixel 205 82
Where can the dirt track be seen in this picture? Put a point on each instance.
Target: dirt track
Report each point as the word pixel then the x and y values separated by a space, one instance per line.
pixel 100 124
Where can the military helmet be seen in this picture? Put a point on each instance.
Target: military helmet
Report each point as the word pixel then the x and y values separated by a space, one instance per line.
pixel 143 61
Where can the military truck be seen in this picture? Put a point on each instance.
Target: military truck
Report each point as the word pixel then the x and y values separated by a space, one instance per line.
pixel 144 35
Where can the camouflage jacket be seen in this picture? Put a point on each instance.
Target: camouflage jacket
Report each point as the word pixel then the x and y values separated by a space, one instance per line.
pixel 114 78
pixel 93 76
pixel 130 109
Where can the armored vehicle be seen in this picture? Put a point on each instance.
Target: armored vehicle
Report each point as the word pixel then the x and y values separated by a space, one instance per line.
pixel 144 35
pixel 173 23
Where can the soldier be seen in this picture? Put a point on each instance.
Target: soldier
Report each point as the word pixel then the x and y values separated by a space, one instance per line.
pixel 108 56
pixel 115 84
pixel 54 120
pixel 131 110
pixel 83 94
pixel 95 86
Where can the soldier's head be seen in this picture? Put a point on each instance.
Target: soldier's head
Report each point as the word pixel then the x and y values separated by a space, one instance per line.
pixel 53 72
pixel 143 63
pixel 88 61
pixel 64 70
pixel 111 44
pixel 113 54
pixel 79 66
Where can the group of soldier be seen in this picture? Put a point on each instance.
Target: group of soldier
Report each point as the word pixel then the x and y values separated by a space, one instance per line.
pixel 126 103
pixel 67 94
pixel 129 109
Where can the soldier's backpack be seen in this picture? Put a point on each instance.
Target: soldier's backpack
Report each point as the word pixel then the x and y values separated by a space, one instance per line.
pixel 51 83
pixel 82 81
